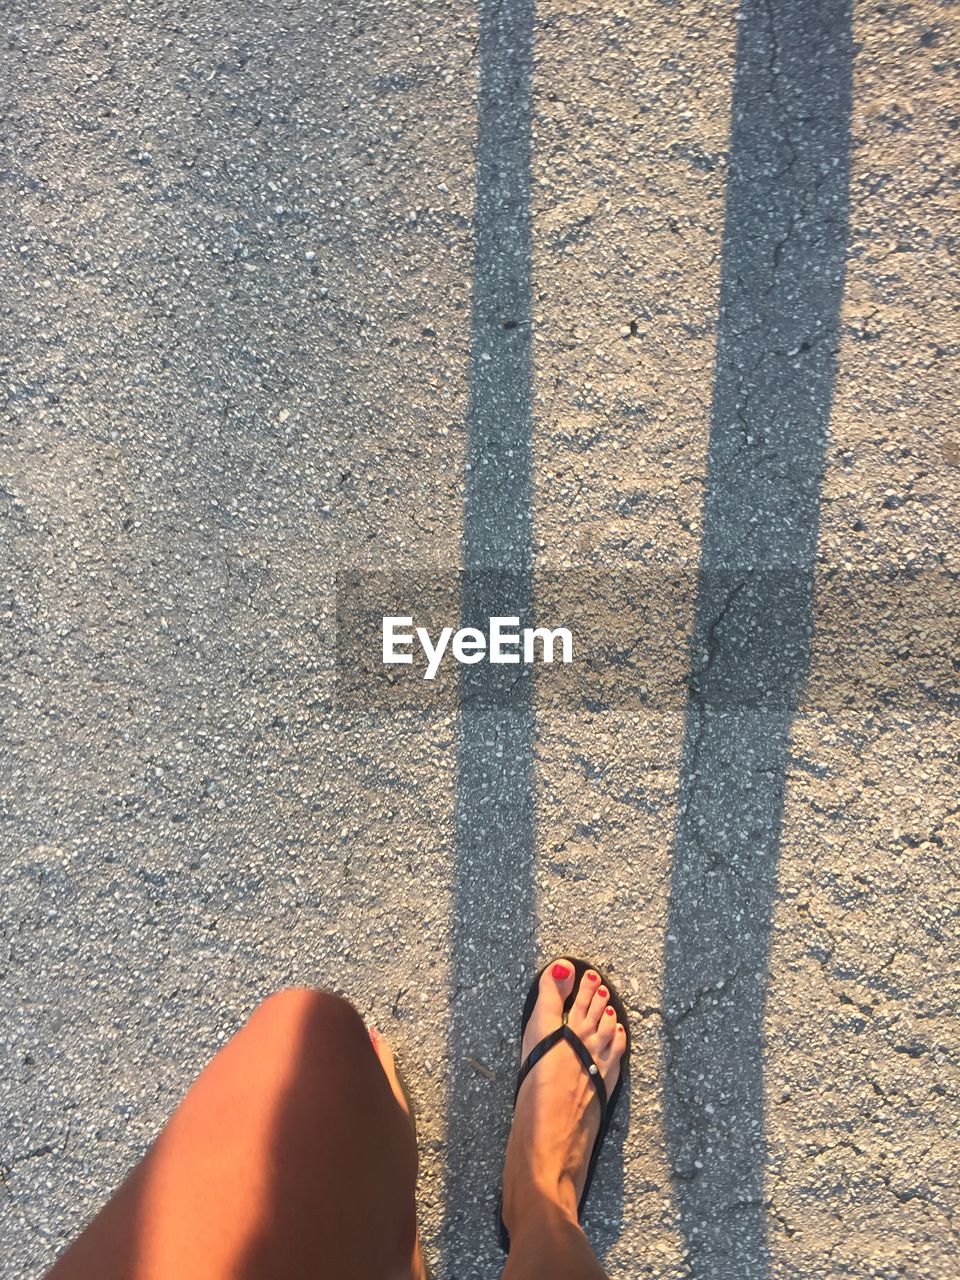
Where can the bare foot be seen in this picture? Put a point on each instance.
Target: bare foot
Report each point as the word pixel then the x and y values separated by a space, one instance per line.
pixel 384 1052
pixel 557 1116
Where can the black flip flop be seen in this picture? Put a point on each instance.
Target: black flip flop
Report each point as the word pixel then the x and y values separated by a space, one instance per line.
pixel 565 1032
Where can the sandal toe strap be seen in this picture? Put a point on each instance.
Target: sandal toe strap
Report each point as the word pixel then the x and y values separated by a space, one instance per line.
pixel 567 1033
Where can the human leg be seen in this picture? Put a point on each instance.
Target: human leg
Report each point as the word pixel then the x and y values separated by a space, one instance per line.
pixel 555 1122
pixel 291 1155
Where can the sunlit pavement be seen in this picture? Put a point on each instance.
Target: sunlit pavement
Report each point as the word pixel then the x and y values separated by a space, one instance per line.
pixel 621 291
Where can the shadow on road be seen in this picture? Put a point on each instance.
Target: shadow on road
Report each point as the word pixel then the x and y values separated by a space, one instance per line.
pixel 778 332
pixel 493 890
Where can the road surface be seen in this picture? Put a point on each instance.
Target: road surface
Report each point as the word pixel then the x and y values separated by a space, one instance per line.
pixel 635 293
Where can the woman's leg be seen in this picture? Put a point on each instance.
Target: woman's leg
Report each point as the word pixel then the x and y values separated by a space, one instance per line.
pixel 551 1246
pixel 291 1156
pixel 554 1126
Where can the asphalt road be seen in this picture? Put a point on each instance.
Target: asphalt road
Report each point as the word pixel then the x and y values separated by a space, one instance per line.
pixel 622 292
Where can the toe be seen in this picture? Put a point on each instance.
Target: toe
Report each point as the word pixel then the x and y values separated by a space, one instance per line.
pixel 381 1048
pixel 587 989
pixel 556 983
pixel 597 1005
pixel 607 1028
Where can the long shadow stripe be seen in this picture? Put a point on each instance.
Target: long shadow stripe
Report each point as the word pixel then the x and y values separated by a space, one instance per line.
pixel 781 290
pixel 493 906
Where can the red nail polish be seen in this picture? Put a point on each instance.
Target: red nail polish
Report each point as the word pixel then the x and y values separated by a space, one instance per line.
pixel 593 977
pixel 609 1010
pixel 602 992
pixel 560 971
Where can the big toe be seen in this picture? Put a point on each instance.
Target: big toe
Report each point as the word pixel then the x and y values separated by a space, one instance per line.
pixel 556 983
pixel 384 1051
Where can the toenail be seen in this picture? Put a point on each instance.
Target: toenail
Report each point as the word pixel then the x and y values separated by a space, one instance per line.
pixel 560 971
pixel 609 1010
pixel 593 977
pixel 602 992
pixel 620 1027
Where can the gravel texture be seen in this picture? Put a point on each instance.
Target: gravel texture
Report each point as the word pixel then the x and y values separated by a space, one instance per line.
pixel 624 289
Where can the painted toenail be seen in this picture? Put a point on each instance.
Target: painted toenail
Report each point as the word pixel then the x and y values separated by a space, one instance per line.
pixel 602 992
pixel 609 1010
pixel 593 977
pixel 560 971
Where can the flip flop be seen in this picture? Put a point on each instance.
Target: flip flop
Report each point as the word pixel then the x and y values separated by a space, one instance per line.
pixel 549 1041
